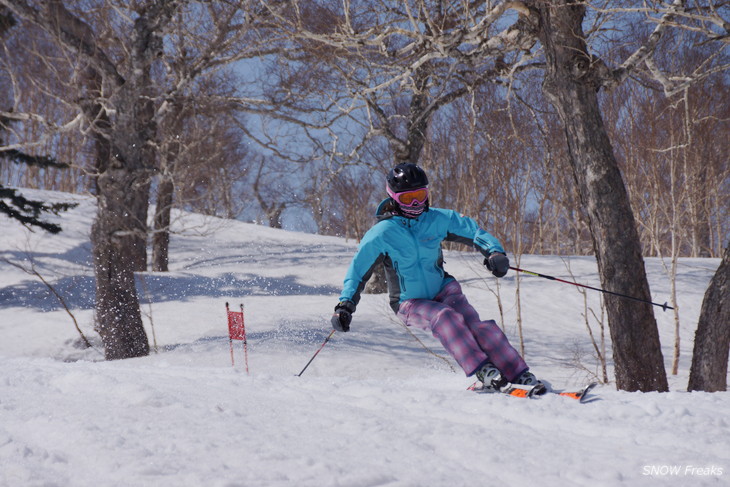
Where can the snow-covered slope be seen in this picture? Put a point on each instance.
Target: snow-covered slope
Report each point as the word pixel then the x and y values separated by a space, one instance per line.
pixel 378 406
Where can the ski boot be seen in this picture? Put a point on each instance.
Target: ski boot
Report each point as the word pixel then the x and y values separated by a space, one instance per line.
pixel 527 378
pixel 491 377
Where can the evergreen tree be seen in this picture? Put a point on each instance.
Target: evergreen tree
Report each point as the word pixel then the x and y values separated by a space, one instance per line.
pixel 28 212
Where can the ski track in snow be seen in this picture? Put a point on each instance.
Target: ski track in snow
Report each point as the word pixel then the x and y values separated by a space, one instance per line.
pixel 373 409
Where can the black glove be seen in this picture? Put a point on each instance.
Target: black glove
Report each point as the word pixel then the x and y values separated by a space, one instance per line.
pixel 498 263
pixel 343 315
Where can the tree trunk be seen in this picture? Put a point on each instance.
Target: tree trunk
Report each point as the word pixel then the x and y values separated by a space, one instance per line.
pixel 418 118
pixel 114 235
pixel 571 86
pixel 119 234
pixel 712 339
pixel 140 207
pixel 161 236
pixel 117 238
pixel 273 213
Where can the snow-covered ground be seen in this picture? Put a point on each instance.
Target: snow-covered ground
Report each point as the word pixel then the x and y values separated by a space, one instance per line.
pixel 378 406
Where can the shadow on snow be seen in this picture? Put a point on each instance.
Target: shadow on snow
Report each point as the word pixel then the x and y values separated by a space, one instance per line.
pixel 79 291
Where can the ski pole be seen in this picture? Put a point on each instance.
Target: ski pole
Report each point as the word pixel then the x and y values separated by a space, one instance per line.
pixel 315 353
pixel 664 306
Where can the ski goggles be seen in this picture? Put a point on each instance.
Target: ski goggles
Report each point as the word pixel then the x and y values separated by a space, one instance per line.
pixel 412 197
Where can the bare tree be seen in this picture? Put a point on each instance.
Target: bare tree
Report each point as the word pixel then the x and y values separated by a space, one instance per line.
pixel 202 163
pixel 400 62
pixel 199 141
pixel 317 197
pixel 571 85
pixel 276 194
pixel 357 195
pixel 116 50
pixel 573 77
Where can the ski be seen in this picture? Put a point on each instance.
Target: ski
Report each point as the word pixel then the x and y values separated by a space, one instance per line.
pixel 580 395
pixel 514 390
pixel 522 391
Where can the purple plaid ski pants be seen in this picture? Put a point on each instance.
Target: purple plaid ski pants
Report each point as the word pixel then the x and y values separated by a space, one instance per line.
pixel 456 323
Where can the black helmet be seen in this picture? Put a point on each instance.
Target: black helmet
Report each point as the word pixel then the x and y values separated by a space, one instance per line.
pixel 406 176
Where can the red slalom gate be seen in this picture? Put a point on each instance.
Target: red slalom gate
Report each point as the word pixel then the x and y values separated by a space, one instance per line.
pixel 237 331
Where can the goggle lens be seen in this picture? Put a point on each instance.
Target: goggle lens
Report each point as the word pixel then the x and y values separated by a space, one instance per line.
pixel 412 197
pixel 417 195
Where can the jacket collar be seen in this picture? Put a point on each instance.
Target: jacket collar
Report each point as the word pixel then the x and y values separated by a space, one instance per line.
pixel 388 209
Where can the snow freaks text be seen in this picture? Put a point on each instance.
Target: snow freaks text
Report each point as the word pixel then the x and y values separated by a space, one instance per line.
pixel 682 470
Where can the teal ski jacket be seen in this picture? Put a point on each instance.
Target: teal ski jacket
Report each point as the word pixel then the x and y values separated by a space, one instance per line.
pixel 410 250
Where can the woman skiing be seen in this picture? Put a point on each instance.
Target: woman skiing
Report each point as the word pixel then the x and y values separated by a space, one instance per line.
pixel 407 241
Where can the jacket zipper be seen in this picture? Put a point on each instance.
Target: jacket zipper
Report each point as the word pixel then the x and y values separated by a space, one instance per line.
pixel 418 252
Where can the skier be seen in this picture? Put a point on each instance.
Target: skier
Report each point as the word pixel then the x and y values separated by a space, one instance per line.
pixel 407 241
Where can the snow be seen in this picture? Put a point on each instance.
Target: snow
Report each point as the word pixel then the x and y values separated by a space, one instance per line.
pixel 378 406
